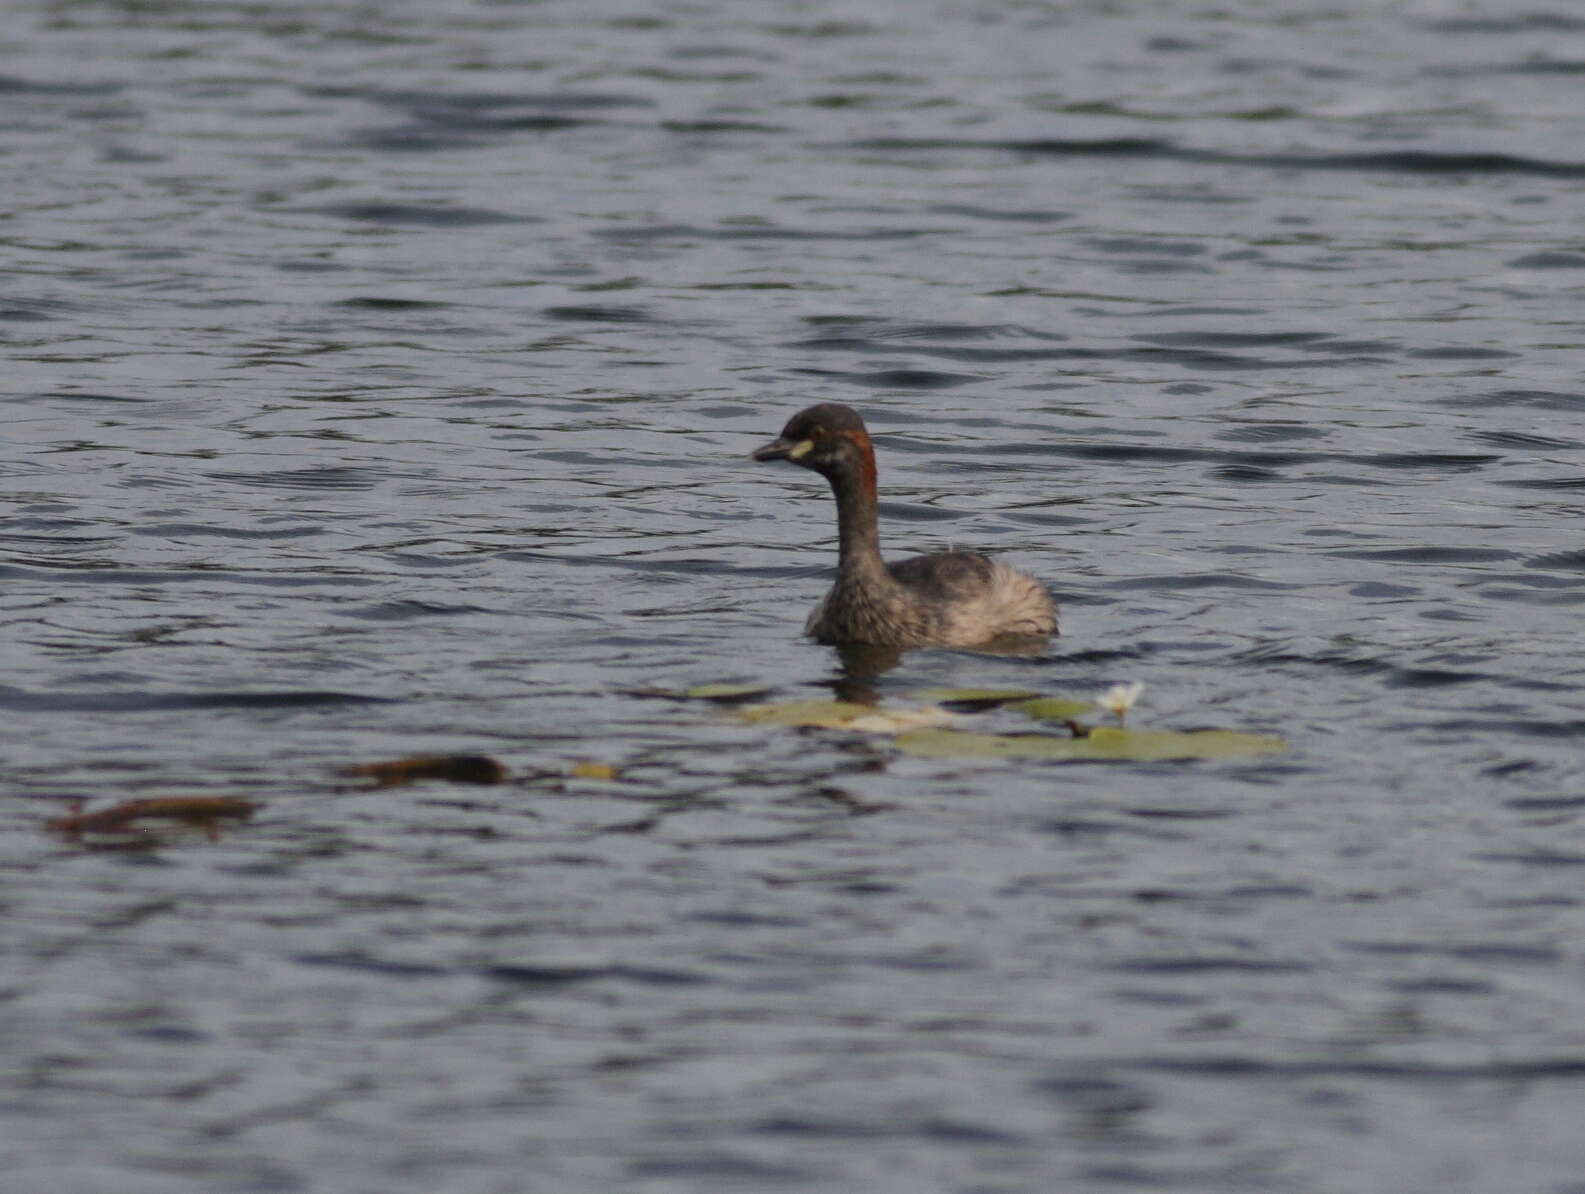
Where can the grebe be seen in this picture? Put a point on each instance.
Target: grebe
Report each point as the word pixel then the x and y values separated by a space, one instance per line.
pixel 949 599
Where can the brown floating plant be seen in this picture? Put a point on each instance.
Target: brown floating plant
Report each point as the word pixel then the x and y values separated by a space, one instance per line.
pixel 204 812
pixel 462 769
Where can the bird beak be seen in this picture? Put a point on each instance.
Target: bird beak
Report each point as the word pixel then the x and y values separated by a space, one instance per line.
pixel 782 449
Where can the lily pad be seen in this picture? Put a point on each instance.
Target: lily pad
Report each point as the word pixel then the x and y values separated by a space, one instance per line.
pixel 844 715
pixel 725 692
pixel 1103 742
pixel 1054 708
pixel 976 698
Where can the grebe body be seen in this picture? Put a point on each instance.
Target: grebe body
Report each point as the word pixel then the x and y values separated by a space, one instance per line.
pixel 949 599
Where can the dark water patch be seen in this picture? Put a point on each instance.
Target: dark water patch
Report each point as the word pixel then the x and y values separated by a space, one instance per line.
pixel 1154 454
pixel 1445 462
pixel 687 565
pixel 1533 399
pixel 1182 358
pixel 1565 561
pixel 414 138
pixel 103 574
pixel 1098 1099
pixel 52 540
pixel 407 611
pixel 1442 986
pixel 1426 555
pixel 1357 665
pixel 22 701
pixel 20 312
pixel 1530 21
pixel 412 215
pixel 1180 814
pixel 947 1131
pixel 987 213
pixel 844 321
pixel 493 101
pixel 765 232
pixel 13 85
pixel 1246 474
pixel 1145 245
pixel 381 966
pixel 878 330
pixel 308 478
pixel 1457 353
pixel 194 530
pixel 1478 728
pixel 1376 590
pixel 1540 64
pixel 1192 965
pixel 1544 483
pixel 1272 433
pixel 839 1127
pixel 1524 439
pixel 1550 859
pixel 915 512
pixel 1424 677
pixel 713 1167
pixel 441 119
pixel 1419 948
pixel 897 379
pixel 89 396
pixel 1430 163
pixel 1504 953
pixel 1549 260
pixel 1030 518
pixel 1206 580
pixel 597 313
pixel 377 303
pixel 1544 804
pixel 1233 339
pixel 1190 311
pixel 1354 347
pixel 554 976
pixel 1232 1066
pixel 1101 828
pixel 721 126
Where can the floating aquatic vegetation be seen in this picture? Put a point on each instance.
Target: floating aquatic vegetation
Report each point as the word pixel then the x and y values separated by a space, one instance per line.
pixel 971 699
pixel 1060 709
pixel 931 731
pixel 845 715
pixel 1103 742
pixel 724 692
pixel 462 769
pixel 131 816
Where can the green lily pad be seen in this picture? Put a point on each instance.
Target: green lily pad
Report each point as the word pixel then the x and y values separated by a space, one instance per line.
pixel 1103 742
pixel 976 698
pixel 1054 708
pixel 724 692
pixel 844 715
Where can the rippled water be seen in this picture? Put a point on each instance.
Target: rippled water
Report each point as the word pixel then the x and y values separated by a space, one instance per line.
pixel 381 380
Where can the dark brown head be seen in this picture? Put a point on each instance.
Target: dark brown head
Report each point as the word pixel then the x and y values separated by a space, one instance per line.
pixel 829 438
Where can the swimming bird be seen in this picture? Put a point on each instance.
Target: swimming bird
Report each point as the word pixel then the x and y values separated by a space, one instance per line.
pixel 949 599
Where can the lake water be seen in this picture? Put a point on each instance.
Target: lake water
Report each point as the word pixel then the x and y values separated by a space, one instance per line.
pixel 381 379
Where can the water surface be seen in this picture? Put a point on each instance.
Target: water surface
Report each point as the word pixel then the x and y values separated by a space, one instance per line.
pixel 381 380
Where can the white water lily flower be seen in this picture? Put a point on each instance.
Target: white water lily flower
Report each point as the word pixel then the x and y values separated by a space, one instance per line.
pixel 1119 698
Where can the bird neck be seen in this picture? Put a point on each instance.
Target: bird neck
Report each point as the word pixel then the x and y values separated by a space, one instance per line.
pixel 858 530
